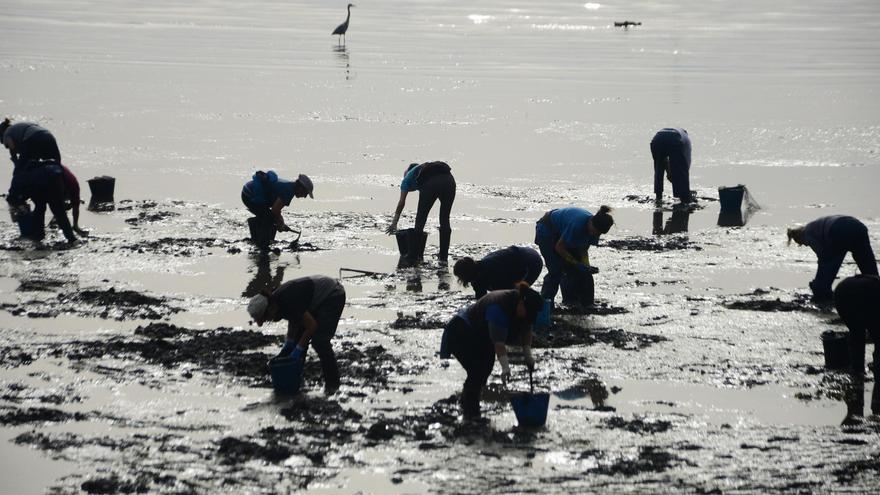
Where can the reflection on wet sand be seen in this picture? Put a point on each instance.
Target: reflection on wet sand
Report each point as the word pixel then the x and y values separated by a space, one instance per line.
pixel 677 223
pixel 414 278
pixel 343 61
pixel 263 278
pixel 735 218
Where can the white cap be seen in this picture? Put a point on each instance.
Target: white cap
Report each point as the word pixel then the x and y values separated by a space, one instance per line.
pixel 306 183
pixel 257 307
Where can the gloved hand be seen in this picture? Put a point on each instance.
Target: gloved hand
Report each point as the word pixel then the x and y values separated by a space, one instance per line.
pixel 298 354
pixel 287 348
pixel 529 359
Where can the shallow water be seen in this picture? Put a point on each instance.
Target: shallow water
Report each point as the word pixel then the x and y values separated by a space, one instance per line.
pixel 535 106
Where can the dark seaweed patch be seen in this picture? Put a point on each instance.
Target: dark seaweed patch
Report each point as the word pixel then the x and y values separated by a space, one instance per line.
pixel 638 425
pixel 566 334
pixel 798 302
pixel 180 246
pixel 656 244
pixel 869 466
pixel 38 415
pixel 56 442
pixel 598 309
pixel 114 484
pixel 169 346
pixel 417 321
pixel 121 305
pixel 144 217
pixel 237 451
pixel 651 459
pixel 40 285
pixel 14 356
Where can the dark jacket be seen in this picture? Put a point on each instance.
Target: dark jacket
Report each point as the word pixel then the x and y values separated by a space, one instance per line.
pixel 502 269
pixel 31 142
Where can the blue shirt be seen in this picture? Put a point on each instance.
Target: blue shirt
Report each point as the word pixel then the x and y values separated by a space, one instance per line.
pixel 266 192
pixel 410 183
pixel 570 224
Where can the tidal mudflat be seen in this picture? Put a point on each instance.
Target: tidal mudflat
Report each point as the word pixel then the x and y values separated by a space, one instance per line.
pixel 127 364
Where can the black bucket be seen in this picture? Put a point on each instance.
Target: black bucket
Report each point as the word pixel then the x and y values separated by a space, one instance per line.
pixel 262 231
pixel 836 347
pixel 577 287
pixel 102 189
pixel 403 243
pixel 731 197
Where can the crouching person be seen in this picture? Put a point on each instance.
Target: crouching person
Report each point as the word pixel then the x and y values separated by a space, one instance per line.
pixel 312 306
pixel 857 300
pixel 482 331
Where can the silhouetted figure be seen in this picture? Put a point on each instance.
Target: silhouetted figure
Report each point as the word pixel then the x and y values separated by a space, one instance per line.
pixel 37 175
pixel 831 238
pixel 266 194
pixel 312 307
pixel 28 142
pixel 671 150
pixel 342 28
pixel 564 236
pixel 626 24
pixel 499 270
pixel 481 332
pixel 857 300
pixel 433 181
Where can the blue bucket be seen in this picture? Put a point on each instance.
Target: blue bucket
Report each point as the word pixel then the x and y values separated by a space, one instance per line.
pixel 543 318
pixel 286 374
pixel 731 197
pixel 530 408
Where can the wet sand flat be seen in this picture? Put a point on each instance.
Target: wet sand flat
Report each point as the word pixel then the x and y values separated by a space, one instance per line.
pixel 128 364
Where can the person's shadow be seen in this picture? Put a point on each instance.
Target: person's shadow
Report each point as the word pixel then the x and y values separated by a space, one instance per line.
pixel 676 224
pixel 263 278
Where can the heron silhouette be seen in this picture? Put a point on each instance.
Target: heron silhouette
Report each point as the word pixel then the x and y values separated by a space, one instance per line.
pixel 342 28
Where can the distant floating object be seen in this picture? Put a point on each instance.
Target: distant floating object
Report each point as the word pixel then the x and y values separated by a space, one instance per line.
pixel 624 24
pixel 342 28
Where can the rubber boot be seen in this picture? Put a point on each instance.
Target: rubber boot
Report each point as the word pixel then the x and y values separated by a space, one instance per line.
pixel 875 399
pixel 330 369
pixel 470 403
pixel 875 394
pixel 854 398
pixel 445 237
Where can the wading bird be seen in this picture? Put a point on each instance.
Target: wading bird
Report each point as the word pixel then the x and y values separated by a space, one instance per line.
pixel 342 28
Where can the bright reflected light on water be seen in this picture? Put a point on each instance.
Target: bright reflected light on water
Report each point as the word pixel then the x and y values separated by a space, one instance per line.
pixel 592 6
pixel 480 18
pixel 563 27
